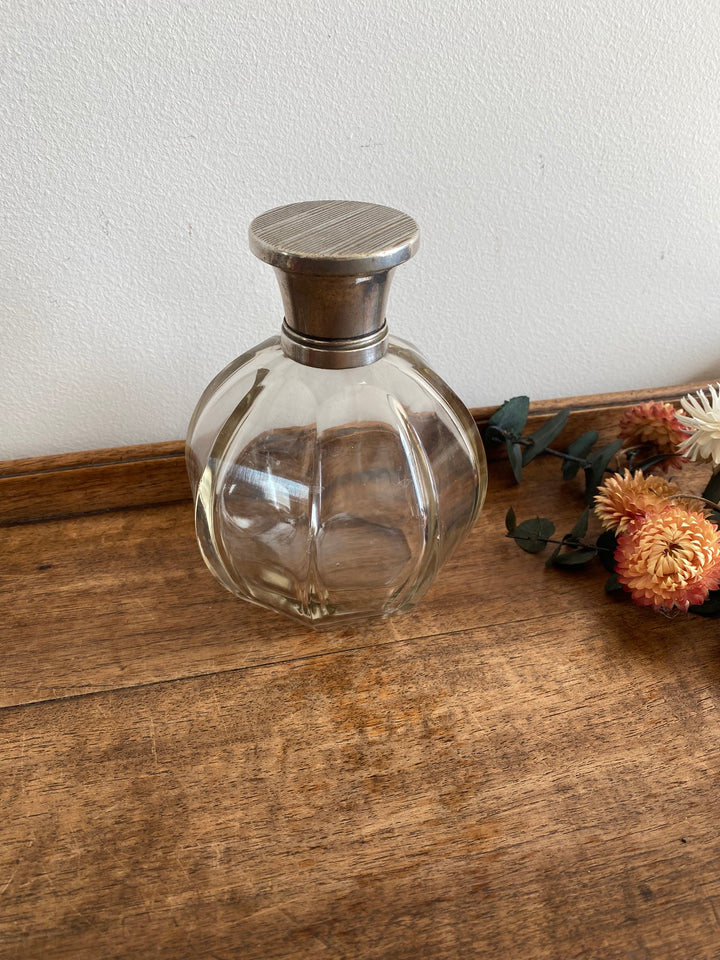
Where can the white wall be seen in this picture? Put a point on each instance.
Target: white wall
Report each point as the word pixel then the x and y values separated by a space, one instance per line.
pixel 561 156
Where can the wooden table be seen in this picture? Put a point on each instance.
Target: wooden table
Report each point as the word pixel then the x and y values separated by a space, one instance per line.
pixel 522 767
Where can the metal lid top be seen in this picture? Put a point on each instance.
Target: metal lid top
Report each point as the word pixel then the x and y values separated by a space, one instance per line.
pixel 334 238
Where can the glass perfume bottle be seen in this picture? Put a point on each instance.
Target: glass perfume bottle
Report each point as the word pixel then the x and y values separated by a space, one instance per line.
pixel 333 472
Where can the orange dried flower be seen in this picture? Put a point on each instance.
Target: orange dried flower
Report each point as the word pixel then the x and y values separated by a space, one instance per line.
pixel 626 497
pixel 655 424
pixel 670 559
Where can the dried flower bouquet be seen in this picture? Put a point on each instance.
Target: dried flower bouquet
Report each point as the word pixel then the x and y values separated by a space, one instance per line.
pixel 661 545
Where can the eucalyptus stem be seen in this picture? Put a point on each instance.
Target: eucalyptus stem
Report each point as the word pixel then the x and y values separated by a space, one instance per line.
pixel 573 544
pixel 566 456
pixel 560 454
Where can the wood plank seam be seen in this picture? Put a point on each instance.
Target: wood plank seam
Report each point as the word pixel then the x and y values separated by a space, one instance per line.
pixel 203 675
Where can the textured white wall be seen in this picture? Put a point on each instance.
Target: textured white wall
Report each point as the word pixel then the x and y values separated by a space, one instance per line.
pixel 562 158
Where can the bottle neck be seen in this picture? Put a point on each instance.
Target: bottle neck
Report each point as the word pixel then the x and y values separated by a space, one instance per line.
pixel 334 321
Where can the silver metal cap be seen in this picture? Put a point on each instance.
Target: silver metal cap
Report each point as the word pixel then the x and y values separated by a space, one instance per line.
pixel 334 237
pixel 333 260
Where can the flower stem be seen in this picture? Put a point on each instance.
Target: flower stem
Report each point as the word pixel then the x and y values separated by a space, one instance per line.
pixel 527 442
pixel 565 456
pixel 573 544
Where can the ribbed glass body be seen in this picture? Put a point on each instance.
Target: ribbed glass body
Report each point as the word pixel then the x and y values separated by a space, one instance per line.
pixel 332 494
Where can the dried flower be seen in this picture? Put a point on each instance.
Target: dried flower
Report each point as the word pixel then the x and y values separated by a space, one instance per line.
pixel 670 559
pixel 665 550
pixel 623 498
pixel 656 425
pixel 702 425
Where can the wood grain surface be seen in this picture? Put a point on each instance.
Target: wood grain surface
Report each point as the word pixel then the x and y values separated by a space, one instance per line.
pixel 522 767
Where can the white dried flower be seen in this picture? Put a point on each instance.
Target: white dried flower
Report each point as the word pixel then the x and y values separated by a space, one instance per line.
pixel 703 425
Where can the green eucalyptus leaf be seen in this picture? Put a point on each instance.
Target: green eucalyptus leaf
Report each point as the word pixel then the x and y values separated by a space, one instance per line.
pixel 712 490
pixel 646 465
pixel 714 515
pixel 550 562
pixel 613 585
pixel 533 535
pixel 509 418
pixel 574 558
pixel 510 521
pixel 711 607
pixel 514 452
pixel 597 465
pixel 544 435
pixel 580 528
pixel 579 448
pixel 606 545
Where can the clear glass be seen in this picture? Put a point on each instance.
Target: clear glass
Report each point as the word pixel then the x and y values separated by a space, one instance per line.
pixel 332 495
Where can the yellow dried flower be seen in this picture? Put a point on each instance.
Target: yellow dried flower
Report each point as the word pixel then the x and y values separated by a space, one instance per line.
pixel 626 497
